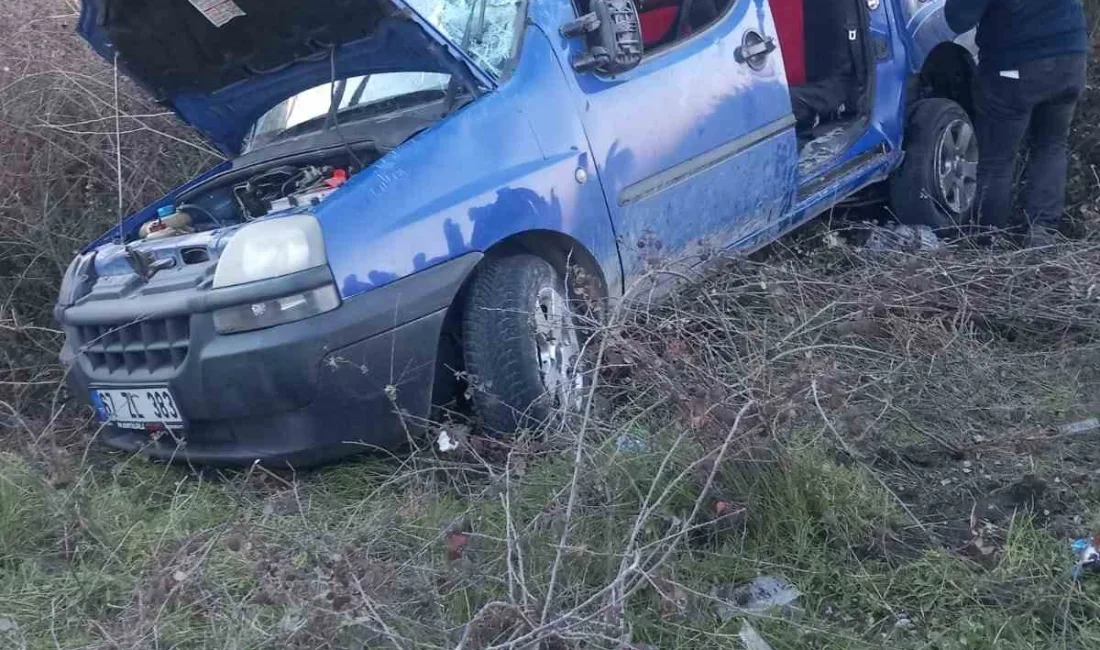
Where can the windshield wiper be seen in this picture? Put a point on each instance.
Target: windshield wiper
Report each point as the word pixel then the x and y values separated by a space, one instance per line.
pixel 332 121
pixel 334 103
pixel 357 96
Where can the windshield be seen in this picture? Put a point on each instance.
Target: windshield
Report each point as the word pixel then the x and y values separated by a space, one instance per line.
pixel 484 29
pixel 307 111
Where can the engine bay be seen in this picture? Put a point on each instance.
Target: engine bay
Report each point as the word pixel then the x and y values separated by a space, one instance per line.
pixel 285 187
pixel 241 196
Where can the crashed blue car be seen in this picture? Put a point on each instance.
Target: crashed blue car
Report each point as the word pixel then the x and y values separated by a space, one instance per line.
pixel 420 196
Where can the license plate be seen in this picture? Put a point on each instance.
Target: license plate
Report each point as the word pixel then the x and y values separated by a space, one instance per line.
pixel 137 408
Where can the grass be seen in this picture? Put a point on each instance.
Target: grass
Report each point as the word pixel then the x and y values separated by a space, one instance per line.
pixel 358 556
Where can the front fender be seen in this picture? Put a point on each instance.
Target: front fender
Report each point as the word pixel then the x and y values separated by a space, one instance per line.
pixel 925 27
pixel 514 160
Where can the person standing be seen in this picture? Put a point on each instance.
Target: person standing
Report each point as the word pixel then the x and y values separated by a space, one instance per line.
pixel 1033 56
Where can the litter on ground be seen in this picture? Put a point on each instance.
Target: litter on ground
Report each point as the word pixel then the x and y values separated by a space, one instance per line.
pixel 1087 550
pixel 752 639
pixel 1077 428
pixel 755 597
pixel 896 237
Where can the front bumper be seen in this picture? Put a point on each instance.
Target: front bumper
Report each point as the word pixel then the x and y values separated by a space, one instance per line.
pixel 303 393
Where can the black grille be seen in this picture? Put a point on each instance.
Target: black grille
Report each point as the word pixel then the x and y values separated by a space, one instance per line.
pixel 150 345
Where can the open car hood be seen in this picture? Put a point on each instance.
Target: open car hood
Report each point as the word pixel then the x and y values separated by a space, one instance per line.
pixel 220 64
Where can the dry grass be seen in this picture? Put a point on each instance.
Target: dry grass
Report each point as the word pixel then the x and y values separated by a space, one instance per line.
pixel 879 429
pixel 60 178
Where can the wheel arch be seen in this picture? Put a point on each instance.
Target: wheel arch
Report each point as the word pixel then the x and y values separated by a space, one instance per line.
pixel 947 72
pixel 557 248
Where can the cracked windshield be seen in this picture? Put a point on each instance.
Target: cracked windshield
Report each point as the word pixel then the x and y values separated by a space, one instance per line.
pixel 484 29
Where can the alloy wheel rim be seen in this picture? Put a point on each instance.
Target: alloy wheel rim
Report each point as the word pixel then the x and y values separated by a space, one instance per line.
pixel 556 349
pixel 957 166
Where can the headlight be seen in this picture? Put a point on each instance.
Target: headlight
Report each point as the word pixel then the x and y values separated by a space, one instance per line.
pixel 74 283
pixel 269 249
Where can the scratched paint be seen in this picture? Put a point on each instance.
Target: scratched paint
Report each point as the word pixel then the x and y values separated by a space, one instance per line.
pixel 680 106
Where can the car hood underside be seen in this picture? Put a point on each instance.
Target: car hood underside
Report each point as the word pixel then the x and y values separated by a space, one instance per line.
pixel 221 63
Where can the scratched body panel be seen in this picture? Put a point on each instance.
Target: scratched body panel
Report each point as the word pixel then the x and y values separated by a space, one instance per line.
pixel 667 151
pixel 669 139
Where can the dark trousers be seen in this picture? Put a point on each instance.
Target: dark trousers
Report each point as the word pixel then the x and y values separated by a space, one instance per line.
pixel 1038 108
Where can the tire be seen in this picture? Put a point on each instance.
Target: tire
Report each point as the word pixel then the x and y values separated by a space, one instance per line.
pixel 520 343
pixel 936 184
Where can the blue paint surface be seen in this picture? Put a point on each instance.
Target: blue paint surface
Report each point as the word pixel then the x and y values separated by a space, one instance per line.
pixel 406 43
pixel 679 105
pixel 504 165
pixel 924 27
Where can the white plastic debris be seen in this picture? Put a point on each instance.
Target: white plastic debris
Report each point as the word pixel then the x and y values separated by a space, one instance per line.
pixel 445 442
pixel 832 240
pixel 752 639
pixel 1077 428
pixel 1087 550
pixel 756 597
pixel 896 237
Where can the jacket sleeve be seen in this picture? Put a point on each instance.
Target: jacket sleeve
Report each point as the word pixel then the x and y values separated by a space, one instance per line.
pixel 964 15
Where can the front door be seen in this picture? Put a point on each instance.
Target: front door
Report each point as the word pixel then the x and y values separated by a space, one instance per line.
pixel 696 146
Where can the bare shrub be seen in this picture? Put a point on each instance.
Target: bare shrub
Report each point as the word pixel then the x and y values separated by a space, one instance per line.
pixel 72 158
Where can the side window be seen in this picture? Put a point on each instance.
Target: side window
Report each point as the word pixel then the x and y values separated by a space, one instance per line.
pixel 667 22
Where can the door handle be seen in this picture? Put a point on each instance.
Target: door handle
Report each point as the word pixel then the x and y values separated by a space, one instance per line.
pixel 754 49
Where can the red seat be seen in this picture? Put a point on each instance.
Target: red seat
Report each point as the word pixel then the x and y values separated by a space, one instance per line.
pixel 657 23
pixel 789 24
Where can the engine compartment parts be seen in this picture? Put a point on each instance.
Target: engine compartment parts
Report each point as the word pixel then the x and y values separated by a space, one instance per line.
pixel 272 190
pixel 169 223
pixel 286 186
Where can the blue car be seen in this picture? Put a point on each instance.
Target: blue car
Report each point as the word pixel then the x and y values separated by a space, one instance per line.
pixel 422 198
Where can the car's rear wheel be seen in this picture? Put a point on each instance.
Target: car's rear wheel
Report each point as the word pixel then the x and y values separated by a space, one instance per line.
pixel 521 344
pixel 937 184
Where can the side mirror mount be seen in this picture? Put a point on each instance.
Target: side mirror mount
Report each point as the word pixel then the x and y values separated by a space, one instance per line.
pixel 613 37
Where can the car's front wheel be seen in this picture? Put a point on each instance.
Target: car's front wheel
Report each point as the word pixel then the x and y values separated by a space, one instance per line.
pixel 520 343
pixel 937 184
